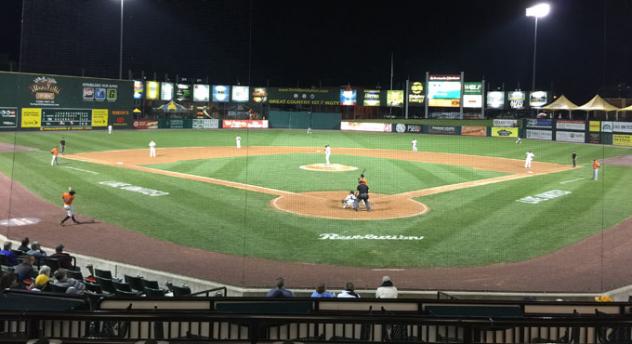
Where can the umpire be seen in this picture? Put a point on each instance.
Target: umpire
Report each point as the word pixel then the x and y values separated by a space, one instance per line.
pixel 362 193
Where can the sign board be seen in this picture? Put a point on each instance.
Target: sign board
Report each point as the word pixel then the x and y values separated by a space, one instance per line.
pixel 537 134
pixel 570 136
pixel 570 125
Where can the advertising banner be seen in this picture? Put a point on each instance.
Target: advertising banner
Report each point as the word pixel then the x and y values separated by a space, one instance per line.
pixel 441 130
pixel 570 125
pixel 407 128
pixel 371 98
pixel 166 91
pixel 205 123
pixel 496 100
pixel 99 118
pixel 594 138
pixel 516 100
pixel 31 118
pixel 184 93
pixel 240 94
pixel 444 90
pixel 594 126
pixel 539 123
pixel 505 123
pixel 622 140
pixel 536 134
pixel 622 127
pixel 504 132
pixel 606 127
pixel 416 93
pixel 145 124
pixel 260 95
pixel 120 118
pixel 139 89
pixel 153 90
pixel 348 97
pixel 538 99
pixel 201 93
pixel 473 131
pixel 8 118
pixel 304 96
pixel 446 115
pixel 62 119
pixel 245 123
pixel 364 126
pixel 472 94
pixel 394 98
pixel 570 136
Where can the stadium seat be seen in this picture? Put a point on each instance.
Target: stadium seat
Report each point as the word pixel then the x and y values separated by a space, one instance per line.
pixel 106 285
pixel 95 288
pixel 52 263
pixel 58 289
pixel 151 284
pixel 179 291
pixel 103 274
pixel 136 283
pixel 76 274
pixel 154 292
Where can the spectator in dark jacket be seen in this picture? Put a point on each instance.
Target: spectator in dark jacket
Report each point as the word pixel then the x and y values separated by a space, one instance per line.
pixel 279 290
pixel 73 286
pixel 12 259
pixel 24 246
pixel 8 280
pixel 25 270
pixel 64 259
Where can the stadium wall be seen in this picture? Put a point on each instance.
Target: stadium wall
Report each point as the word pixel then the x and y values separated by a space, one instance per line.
pixel 304 120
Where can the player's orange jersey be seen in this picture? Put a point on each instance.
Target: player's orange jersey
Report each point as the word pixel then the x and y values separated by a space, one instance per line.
pixel 596 164
pixel 68 198
pixel 54 151
pixel 363 180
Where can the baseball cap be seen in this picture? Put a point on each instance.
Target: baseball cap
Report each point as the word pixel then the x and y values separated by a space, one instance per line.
pixel 41 280
pixel 386 279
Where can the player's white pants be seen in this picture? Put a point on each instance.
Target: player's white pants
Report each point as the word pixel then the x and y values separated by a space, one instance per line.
pixel 527 163
pixel 327 158
pixel 348 204
pixel 238 145
pixel 414 148
pixel 109 130
pixel 53 162
pixel 595 174
pixel 69 210
pixel 152 152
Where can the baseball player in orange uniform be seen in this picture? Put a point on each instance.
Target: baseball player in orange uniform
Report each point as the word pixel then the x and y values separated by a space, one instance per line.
pixel 68 198
pixel 595 167
pixel 55 153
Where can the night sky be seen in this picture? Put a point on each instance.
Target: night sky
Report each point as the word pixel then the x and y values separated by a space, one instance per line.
pixel 584 47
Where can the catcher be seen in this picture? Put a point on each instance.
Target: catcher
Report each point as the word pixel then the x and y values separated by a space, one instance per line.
pixel 348 201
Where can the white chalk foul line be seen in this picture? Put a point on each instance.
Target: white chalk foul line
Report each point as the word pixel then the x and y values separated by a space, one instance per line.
pixel 81 170
pixel 571 180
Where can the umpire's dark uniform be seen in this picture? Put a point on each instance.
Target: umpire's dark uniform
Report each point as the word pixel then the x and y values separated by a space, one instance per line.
pixel 363 194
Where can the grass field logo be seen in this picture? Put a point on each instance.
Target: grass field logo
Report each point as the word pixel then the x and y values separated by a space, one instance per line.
pixel 334 236
pixel 545 196
pixel 134 188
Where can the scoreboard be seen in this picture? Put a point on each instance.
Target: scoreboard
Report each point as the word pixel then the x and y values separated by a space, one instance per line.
pixel 61 119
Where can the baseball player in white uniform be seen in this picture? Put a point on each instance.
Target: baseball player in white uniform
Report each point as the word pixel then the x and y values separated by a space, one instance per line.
pixel 348 201
pixel 527 161
pixel 414 143
pixel 238 141
pixel 152 149
pixel 110 129
pixel 327 154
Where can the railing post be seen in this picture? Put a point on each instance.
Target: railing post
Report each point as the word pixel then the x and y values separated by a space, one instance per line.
pixel 467 334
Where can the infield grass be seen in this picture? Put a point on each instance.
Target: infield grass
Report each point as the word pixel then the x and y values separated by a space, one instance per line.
pixel 468 227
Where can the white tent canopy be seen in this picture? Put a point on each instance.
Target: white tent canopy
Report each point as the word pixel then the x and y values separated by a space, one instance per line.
pixel 598 104
pixel 629 108
pixel 561 103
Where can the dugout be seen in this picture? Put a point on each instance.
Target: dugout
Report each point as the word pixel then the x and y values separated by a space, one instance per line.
pixel 304 120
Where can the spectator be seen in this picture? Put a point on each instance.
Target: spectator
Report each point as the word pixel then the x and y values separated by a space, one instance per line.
pixel 8 280
pixel 321 292
pixel 386 290
pixel 62 280
pixel 12 259
pixel 279 290
pixel 42 279
pixel 25 270
pixel 24 246
pixel 36 251
pixel 348 292
pixel 64 259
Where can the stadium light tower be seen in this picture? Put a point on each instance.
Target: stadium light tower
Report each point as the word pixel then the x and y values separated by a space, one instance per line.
pixel 536 11
pixel 121 44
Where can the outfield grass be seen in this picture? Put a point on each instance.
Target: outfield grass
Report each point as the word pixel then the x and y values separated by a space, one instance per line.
pixel 468 227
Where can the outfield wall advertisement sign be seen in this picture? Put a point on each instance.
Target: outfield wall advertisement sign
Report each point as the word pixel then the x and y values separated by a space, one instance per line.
pixel 570 136
pixel 505 123
pixel 166 91
pixel 594 138
pixel 540 123
pixel 201 93
pixel 139 89
pixel 348 97
pixel 394 98
pixel 416 94
pixel 145 124
pixel 472 94
pixel 244 124
pixel 606 127
pixel 622 140
pixel 504 132
pixel 8 118
pixel 473 131
pixel 364 126
pixel 303 96
pixel 31 118
pixel 371 98
pixel 240 94
pixel 442 130
pixel 621 127
pixel 594 126
pixel 538 99
pixel 205 123
pixel 260 95
pixel 407 128
pixel 184 93
pixel 570 125
pixel 537 134
pixel 444 90
pixel 153 90
pixel 62 119
pixel 496 99
pixel 516 100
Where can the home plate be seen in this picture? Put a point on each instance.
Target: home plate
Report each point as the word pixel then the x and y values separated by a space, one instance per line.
pixel 19 221
pixel 328 168
pixel 119 163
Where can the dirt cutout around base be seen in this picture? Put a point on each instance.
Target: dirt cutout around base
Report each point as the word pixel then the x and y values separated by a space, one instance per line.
pixel 326 204
pixel 328 168
pixel 624 160
pixel 10 148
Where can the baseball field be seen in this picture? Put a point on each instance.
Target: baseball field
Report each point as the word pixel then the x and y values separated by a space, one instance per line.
pixel 458 202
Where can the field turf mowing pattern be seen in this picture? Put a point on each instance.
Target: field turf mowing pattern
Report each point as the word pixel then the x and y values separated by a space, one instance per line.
pixel 469 227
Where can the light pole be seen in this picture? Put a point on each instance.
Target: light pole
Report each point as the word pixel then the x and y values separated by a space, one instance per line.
pixel 536 11
pixel 121 45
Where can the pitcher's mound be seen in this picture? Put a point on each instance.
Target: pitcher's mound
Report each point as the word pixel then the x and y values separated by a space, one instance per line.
pixel 328 168
pixel 328 204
